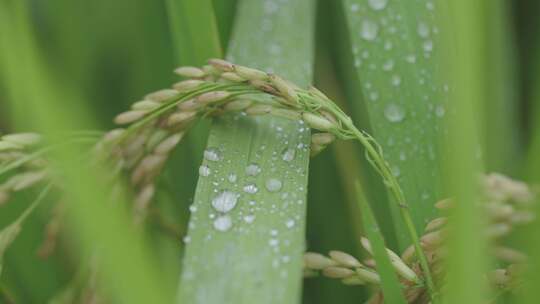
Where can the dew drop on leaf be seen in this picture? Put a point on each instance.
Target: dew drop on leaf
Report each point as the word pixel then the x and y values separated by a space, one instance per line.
pixel 251 188
pixel 232 178
pixel 212 154
pixel 396 80
pixel 377 4
pixel 223 223
pixel 249 218
pixel 273 185
pixel 253 169
pixel 428 45
pixel 288 154
pixel 394 113
pixel 369 30
pixel 225 201
pixel 423 30
pixel 204 170
pixel 388 65
pixel 440 111
pixel 290 223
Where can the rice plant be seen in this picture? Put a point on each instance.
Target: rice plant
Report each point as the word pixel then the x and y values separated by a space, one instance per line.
pixel 268 151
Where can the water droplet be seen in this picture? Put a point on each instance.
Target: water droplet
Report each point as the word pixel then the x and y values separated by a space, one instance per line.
pixel 186 239
pixel 251 188
pixel 212 154
pixel 270 7
pixel 253 169
pixel 402 156
pixel 273 185
pixel 192 208
pixel 428 45
pixel 249 218
pixel 395 171
pixel 204 171
pixel 396 80
pixel 410 58
pixel 231 178
pixel 273 242
pixel 377 4
pixel 290 223
pixel 394 113
pixel 423 30
pixel 369 30
pixel 225 201
pixel 365 54
pixel 440 111
pixel 223 223
pixel 373 96
pixel 288 154
pixel 388 65
pixel 274 49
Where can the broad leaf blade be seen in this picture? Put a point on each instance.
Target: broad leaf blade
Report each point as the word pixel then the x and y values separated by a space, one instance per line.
pixel 259 261
pixel 394 55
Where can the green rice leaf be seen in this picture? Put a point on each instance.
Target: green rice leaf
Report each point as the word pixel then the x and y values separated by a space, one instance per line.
pixel 394 56
pixel 467 246
pixel 194 31
pixel 127 265
pixel 390 285
pixel 196 38
pixel 225 13
pixel 253 252
pixel 502 139
pixel 531 292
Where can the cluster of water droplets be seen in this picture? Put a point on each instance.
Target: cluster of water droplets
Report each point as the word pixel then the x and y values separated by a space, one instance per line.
pixel 380 23
pixel 396 60
pixel 235 200
pixel 261 194
pixel 267 178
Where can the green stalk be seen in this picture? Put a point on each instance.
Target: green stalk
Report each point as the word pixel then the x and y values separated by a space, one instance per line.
pixel 468 258
pixel 259 258
pixel 502 103
pixel 194 31
pixel 374 155
pixel 531 292
pixel 390 285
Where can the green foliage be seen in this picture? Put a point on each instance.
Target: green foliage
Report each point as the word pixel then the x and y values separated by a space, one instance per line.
pixel 395 56
pixel 194 31
pixel 268 251
pixel 389 282
pixel 468 259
